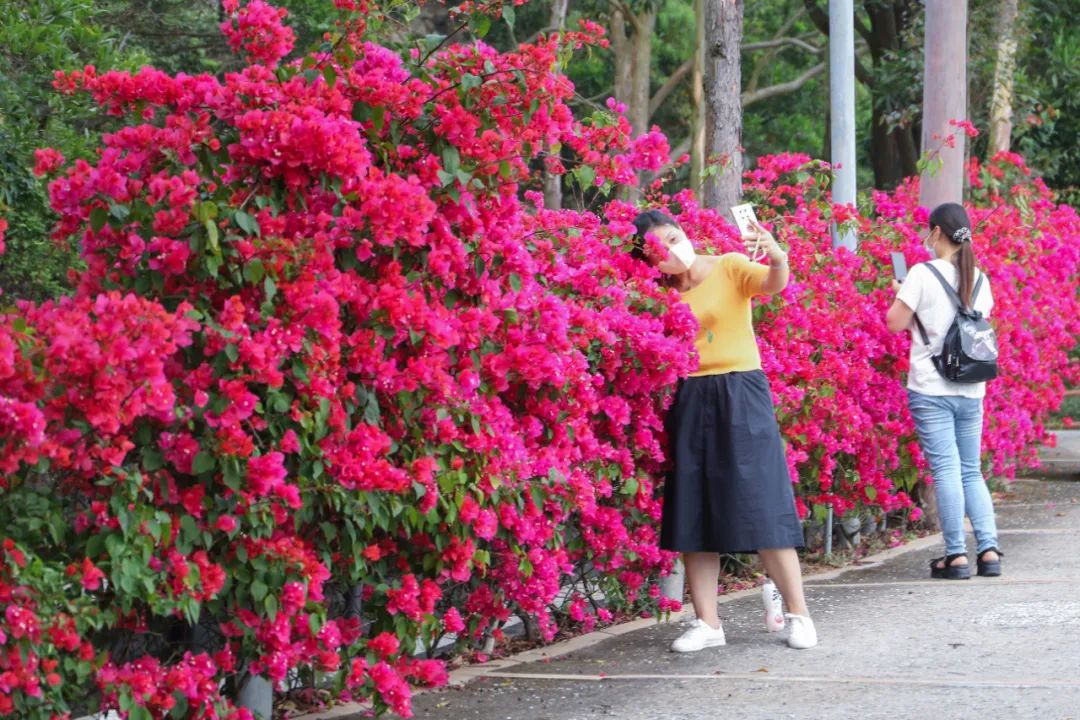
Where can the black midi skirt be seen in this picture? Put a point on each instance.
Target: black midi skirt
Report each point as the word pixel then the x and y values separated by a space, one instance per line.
pixel 729 490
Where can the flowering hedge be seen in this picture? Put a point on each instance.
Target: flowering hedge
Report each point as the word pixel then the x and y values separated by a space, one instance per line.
pixel 335 387
pixel 836 369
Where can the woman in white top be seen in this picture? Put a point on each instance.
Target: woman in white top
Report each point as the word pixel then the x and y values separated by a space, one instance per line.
pixel 949 416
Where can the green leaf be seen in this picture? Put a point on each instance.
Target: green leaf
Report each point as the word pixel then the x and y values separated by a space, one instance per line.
pixel 586 176
pixel 480 23
pixel 203 462
pixel 254 271
pixel 152 459
pixel 270 288
pixel 98 217
pixel 451 159
pixel 212 236
pixel 246 222
pixel 259 590
pixel 444 177
pixel 470 81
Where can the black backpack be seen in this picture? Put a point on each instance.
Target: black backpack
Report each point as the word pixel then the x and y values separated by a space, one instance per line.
pixel 970 352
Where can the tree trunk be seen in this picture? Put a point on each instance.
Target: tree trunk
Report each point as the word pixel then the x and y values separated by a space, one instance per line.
pixel 697 99
pixel 624 57
pixel 723 104
pixel 1004 72
pixel 944 99
pixel 638 114
pixel 894 154
pixel 631 42
pixel 553 182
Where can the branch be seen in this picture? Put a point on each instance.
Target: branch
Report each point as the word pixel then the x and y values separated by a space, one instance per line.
pixel 669 85
pixel 766 59
pixel 765 93
pixel 862 29
pixel 820 18
pixel 779 42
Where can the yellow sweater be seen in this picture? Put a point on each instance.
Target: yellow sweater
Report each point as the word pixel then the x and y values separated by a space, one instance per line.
pixel 721 304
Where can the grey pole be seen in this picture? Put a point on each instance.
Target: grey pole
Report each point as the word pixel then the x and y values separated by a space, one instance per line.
pixel 842 109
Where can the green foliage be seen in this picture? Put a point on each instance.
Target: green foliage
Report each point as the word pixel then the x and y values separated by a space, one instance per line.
pixel 38 37
pixel 1046 113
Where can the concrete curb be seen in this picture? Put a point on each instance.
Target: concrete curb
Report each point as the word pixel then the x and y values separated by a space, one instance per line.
pixel 464 675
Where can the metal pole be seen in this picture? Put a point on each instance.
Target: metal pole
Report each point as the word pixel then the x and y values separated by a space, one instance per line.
pixel 842 109
pixel 828 532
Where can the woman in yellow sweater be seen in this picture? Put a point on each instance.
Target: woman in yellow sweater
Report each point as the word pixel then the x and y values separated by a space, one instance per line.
pixel 729 490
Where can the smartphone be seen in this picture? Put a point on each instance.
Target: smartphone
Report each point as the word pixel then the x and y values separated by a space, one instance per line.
pixel 745 217
pixel 899 266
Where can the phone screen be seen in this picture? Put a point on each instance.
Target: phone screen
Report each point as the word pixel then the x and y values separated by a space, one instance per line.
pixel 899 265
pixel 744 218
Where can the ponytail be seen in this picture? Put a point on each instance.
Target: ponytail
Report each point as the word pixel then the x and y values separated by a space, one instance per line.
pixel 965 268
pixel 954 223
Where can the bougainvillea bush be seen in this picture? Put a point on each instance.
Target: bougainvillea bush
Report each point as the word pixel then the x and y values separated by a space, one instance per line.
pixel 836 370
pixel 335 387
pixel 329 391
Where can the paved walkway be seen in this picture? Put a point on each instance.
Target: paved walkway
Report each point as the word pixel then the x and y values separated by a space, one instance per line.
pixel 895 645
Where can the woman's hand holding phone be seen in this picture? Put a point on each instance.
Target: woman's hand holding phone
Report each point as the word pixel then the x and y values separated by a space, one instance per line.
pixel 760 243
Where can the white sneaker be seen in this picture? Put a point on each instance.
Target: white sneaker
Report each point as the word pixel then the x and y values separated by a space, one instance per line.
pixel 700 635
pixel 774 607
pixel 803 634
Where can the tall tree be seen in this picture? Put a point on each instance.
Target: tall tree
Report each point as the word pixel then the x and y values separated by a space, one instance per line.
pixel 723 102
pixel 944 100
pixel 697 99
pixel 552 181
pixel 1001 105
pixel 632 27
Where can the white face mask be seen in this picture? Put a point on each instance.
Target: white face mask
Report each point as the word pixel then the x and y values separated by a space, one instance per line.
pixel 680 258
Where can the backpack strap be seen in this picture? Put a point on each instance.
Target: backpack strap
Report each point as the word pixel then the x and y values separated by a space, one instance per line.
pixel 922 331
pixel 949 289
pixel 975 292
pixel 951 292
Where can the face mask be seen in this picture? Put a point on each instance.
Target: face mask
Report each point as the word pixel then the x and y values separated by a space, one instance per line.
pixel 680 257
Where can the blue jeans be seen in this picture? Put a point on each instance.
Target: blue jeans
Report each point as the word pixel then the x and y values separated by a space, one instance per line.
pixel 950 433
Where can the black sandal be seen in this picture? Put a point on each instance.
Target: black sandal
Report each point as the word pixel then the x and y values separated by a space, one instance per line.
pixel 990 568
pixel 950 571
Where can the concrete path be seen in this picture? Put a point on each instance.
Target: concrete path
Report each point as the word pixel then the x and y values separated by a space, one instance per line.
pixel 894 644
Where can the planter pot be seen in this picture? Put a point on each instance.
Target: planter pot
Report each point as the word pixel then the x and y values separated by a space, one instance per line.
pixel 850 526
pixel 672 586
pixel 257 695
pixel 814 533
pixel 869 525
